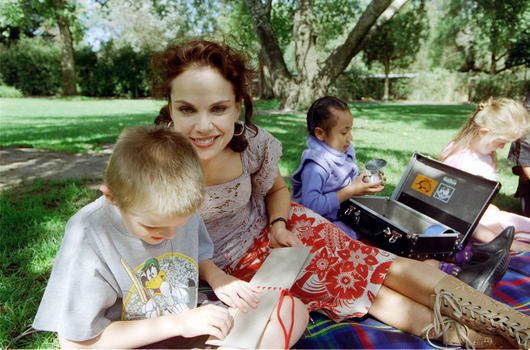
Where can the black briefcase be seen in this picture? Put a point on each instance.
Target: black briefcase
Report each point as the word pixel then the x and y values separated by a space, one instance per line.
pixel 431 214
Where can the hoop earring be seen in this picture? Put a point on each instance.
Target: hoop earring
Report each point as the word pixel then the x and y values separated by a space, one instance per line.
pixel 170 124
pixel 242 128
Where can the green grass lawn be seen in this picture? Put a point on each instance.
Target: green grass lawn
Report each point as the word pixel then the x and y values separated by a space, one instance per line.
pixel 33 217
pixel 70 125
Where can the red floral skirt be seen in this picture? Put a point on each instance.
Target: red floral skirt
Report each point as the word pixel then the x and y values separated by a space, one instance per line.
pixel 341 280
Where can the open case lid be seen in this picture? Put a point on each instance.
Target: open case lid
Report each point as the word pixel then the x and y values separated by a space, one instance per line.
pixel 451 196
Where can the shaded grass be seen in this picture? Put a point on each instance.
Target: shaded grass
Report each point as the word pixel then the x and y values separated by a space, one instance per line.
pixel 31 229
pixel 33 217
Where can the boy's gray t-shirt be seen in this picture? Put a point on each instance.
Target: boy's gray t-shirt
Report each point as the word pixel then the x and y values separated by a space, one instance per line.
pixel 102 273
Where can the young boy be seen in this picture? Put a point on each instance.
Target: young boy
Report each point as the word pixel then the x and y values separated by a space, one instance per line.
pixel 127 272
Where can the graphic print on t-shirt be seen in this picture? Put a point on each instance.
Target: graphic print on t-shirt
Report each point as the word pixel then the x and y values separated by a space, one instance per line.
pixel 161 286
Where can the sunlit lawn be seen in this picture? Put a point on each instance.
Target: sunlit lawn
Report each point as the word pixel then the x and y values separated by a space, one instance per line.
pixel 33 217
pixel 70 125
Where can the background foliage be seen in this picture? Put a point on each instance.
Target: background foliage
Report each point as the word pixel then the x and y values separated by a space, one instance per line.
pixel 487 40
pixel 33 66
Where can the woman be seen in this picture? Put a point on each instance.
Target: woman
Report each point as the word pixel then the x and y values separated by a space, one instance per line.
pixel 248 211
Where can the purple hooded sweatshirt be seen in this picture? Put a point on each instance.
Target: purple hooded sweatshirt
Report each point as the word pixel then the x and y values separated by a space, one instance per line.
pixel 322 172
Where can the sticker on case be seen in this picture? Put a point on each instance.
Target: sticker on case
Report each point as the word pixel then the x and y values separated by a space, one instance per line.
pixel 424 185
pixel 444 193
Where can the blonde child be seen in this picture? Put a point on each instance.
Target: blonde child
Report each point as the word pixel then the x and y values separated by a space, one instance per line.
pixel 127 272
pixel 494 123
pixel 328 176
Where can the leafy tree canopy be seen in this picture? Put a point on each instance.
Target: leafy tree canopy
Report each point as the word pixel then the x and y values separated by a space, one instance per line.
pixel 477 35
pixel 29 18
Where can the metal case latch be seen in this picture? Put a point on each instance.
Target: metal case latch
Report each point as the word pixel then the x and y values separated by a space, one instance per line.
pixel 392 235
pixel 356 213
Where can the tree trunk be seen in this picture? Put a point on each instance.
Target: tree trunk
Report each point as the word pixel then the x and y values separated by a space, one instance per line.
pixel 386 92
pixel 273 58
pixel 265 79
pixel 67 53
pixel 314 78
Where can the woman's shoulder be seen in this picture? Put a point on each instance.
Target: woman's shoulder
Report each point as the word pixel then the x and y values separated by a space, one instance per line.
pixel 259 135
pixel 263 148
pixel 260 140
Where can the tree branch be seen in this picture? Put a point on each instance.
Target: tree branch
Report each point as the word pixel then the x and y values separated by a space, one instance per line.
pixel 376 14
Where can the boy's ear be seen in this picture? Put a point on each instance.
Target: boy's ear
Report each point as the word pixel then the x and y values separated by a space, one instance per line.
pixel 107 194
pixel 320 134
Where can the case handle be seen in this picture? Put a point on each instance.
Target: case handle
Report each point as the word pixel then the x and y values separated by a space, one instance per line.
pixel 357 216
pixel 392 235
pixel 356 213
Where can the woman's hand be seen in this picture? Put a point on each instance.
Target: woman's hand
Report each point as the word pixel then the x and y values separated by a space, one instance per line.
pixel 282 237
pixel 235 292
pixel 278 202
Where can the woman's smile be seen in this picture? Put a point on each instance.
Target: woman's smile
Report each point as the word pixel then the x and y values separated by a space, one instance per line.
pixel 203 142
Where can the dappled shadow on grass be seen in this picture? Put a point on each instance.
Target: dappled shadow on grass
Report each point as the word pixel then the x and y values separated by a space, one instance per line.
pixel 260 105
pixel 436 117
pixel 24 165
pixel 290 129
pixel 32 227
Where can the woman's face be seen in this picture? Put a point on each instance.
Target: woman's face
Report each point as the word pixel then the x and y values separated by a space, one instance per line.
pixel 203 106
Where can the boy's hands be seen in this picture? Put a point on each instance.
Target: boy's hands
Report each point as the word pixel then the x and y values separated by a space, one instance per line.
pixel 208 319
pixel 230 290
pixel 235 292
pixel 205 320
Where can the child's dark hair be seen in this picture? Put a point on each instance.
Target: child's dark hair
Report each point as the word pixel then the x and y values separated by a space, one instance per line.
pixel 321 115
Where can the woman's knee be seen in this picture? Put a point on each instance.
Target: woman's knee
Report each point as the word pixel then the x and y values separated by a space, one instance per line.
pixel 294 313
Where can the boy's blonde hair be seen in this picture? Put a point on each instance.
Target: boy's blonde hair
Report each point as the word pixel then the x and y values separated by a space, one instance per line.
pixel 157 170
pixel 505 118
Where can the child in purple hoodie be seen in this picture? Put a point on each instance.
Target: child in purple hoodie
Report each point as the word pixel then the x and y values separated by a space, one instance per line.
pixel 328 174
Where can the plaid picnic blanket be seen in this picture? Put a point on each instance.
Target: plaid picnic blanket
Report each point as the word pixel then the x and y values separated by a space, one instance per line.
pixel 366 332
